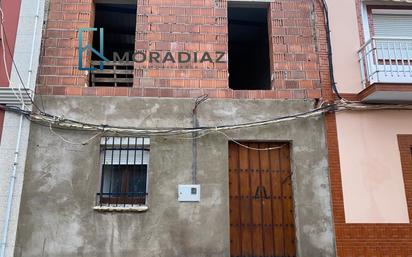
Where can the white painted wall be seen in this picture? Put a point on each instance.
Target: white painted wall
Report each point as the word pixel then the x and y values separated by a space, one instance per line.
pixel 11 122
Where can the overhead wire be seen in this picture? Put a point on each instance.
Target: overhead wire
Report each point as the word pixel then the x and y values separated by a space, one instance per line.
pixel 52 122
pixel 71 124
pixel 72 142
pixel 329 47
pixel 249 147
pixel 65 123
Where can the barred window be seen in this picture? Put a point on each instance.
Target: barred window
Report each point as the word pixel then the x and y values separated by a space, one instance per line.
pixel 124 169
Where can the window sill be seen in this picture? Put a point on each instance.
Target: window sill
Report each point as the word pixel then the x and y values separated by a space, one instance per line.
pixel 140 208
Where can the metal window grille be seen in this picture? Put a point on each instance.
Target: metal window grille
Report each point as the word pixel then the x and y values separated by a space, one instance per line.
pixel 124 169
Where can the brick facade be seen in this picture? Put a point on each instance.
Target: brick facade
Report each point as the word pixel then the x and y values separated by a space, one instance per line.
pixel 298 51
pixel 405 149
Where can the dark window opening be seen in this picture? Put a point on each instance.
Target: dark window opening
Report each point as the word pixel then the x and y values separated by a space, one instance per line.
pixel 124 184
pixel 249 55
pixel 119 24
pixel 124 171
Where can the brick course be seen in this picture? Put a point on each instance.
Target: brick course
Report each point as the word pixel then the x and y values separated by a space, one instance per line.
pixel 298 50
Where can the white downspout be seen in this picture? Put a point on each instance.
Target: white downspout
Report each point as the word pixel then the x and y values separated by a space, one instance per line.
pixel 17 151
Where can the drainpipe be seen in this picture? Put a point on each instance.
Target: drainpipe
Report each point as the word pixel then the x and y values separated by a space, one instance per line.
pixel 17 150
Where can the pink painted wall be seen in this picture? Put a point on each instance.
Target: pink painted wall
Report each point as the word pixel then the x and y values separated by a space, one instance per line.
pixel 372 179
pixel 345 44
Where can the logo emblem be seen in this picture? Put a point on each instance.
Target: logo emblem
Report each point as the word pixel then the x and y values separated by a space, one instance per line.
pixel 99 53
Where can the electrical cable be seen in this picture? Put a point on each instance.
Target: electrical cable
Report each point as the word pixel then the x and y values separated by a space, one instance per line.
pixel 248 147
pixel 199 100
pixel 60 122
pixel 179 132
pixel 71 142
pixel 329 45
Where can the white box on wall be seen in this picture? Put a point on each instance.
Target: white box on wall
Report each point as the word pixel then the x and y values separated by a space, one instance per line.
pixel 188 193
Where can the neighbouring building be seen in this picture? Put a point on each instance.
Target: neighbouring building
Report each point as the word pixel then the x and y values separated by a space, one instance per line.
pixel 370 152
pixel 20 40
pixel 218 136
pixel 89 193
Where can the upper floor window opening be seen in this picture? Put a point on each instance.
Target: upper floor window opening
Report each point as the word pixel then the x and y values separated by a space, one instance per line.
pixel 249 54
pixel 118 20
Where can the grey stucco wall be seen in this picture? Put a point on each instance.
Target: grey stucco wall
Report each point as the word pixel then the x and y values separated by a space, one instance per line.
pixel 61 181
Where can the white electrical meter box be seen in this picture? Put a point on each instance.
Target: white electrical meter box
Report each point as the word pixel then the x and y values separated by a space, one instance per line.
pixel 188 193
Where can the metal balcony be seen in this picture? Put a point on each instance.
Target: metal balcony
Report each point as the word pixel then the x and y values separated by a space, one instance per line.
pixel 386 69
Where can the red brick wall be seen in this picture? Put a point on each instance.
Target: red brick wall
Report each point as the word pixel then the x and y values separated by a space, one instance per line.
pixel 368 240
pixel 297 51
pixel 59 53
pixel 405 149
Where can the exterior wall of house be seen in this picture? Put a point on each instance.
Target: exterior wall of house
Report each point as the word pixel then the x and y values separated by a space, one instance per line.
pixel 372 176
pixel 61 182
pixel 370 189
pixel 345 45
pixel 10 10
pixel 22 51
pixel 298 50
pixel 57 216
pixel 369 185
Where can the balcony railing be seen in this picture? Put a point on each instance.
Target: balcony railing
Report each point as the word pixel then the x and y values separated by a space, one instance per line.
pixel 386 60
pixel 114 74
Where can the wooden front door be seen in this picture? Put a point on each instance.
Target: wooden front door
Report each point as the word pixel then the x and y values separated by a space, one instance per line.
pixel 261 201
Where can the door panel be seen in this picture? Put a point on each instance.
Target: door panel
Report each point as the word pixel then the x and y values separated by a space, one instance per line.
pixel 261 201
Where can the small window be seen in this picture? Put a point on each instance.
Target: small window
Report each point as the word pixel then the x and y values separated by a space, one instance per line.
pixel 124 170
pixel 249 55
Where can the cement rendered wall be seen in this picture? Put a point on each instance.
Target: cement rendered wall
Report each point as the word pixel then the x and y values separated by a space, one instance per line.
pixel 61 181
